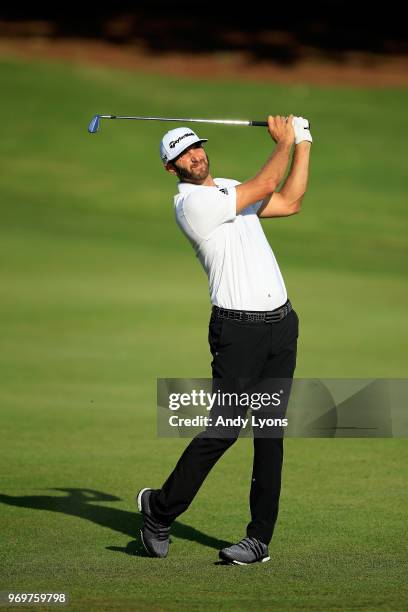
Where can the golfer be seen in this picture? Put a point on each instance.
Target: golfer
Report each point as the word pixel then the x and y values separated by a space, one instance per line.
pixel 253 328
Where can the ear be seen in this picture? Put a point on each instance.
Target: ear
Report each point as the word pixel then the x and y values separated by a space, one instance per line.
pixel 170 168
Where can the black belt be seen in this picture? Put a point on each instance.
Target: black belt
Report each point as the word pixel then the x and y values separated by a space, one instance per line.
pixel 259 316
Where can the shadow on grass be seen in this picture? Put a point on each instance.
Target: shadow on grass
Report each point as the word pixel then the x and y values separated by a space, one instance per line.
pixel 81 503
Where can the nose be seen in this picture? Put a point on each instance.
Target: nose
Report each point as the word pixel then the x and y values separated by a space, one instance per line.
pixel 196 155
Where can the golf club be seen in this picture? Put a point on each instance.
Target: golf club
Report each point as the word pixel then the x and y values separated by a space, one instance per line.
pixel 94 124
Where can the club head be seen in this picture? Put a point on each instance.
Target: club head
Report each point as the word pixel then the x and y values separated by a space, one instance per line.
pixel 94 124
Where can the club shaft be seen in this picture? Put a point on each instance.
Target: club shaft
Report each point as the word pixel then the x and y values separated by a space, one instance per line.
pixel 189 120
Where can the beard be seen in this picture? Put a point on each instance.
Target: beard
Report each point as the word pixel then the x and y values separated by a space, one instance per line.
pixel 196 175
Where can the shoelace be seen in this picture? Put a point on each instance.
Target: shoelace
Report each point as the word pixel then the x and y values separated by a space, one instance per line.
pixel 252 545
pixel 161 531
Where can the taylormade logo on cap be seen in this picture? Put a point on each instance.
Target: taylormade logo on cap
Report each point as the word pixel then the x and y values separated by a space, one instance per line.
pixel 176 141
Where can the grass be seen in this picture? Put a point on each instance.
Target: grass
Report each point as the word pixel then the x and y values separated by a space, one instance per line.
pixel 101 295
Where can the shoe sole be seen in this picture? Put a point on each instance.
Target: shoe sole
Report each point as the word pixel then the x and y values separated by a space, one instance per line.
pixel 139 505
pixel 149 552
pixel 139 497
pixel 235 562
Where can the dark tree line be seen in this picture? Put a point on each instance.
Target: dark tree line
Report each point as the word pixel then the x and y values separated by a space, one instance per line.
pixel 281 31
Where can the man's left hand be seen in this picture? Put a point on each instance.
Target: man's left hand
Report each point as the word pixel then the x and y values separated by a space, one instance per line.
pixel 302 130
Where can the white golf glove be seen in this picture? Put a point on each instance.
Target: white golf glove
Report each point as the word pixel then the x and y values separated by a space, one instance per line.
pixel 302 130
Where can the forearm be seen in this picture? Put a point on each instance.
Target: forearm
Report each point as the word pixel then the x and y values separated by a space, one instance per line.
pixel 295 185
pixel 267 179
pixel 274 170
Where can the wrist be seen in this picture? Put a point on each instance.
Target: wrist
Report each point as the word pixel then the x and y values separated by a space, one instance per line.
pixel 285 142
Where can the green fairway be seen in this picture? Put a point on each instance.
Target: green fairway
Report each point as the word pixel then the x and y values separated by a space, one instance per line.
pixel 101 294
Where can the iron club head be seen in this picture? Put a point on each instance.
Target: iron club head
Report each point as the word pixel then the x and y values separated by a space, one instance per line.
pixel 94 125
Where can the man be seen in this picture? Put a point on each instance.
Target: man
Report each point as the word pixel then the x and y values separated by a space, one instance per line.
pixel 253 328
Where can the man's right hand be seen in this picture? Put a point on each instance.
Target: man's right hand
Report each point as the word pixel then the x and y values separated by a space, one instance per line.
pixel 281 129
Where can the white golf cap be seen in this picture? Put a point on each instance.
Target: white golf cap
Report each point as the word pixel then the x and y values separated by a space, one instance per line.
pixel 176 141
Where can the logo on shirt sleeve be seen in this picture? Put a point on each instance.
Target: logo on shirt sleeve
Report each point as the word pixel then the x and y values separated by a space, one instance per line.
pixel 224 190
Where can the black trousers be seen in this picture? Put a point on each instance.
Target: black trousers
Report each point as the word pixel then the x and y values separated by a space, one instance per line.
pixel 240 350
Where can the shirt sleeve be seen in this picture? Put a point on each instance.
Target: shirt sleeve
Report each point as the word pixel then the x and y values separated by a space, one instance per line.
pixel 257 206
pixel 252 209
pixel 207 208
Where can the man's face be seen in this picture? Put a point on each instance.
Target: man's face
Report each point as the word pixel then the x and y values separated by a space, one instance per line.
pixel 193 165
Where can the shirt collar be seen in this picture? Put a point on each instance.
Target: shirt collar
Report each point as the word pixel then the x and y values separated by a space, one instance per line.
pixel 187 187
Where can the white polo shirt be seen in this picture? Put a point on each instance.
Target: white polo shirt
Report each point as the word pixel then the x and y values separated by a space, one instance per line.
pixel 242 271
